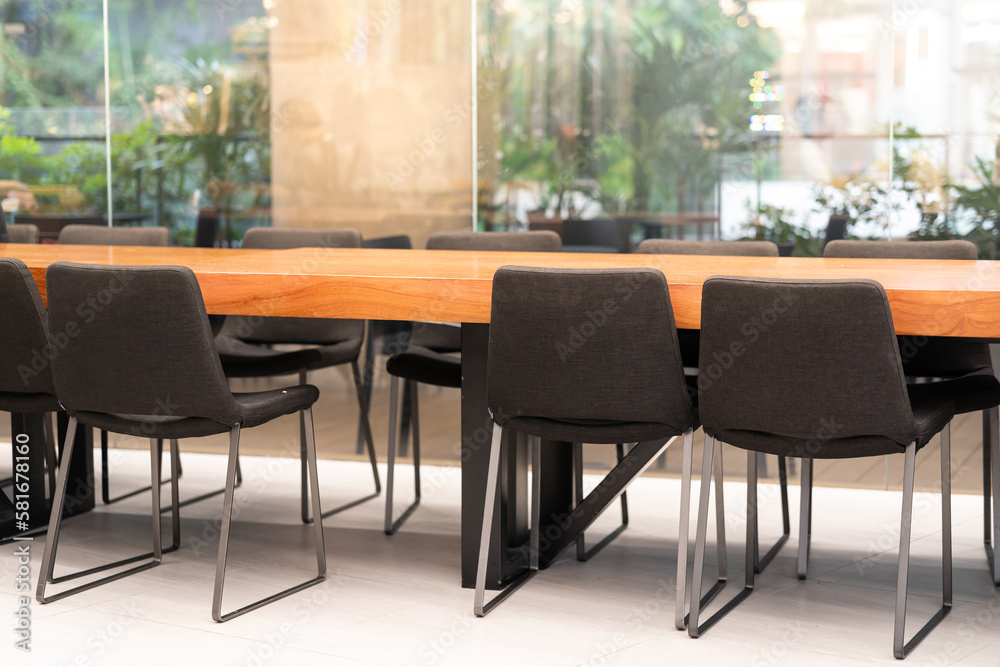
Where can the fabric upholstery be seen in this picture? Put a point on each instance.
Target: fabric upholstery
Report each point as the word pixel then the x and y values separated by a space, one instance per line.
pixel 438 337
pixel 971 392
pixel 256 408
pixel 25 233
pixel 901 249
pixel 422 361
pixel 143 360
pixel 595 349
pixel 543 241
pixel 24 364
pixel 689 338
pixel 144 345
pixel 967 365
pixel 297 330
pixel 423 365
pixel 733 248
pixel 806 368
pixel 240 359
pixel 591 235
pixel 103 235
pixel 14 402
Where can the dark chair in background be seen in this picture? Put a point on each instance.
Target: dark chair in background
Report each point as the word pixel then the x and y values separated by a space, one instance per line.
pixel 627 379
pixel 50 225
pixel 25 233
pixel 386 337
pixel 950 367
pixel 124 236
pixel 689 343
pixel 207 229
pixel 430 359
pixel 245 343
pixel 157 322
pixel 24 332
pixel 119 236
pixel 836 229
pixel 825 382
pixel 717 248
pixel 591 235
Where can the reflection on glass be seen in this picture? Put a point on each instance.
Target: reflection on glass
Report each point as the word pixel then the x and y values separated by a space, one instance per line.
pixel 52 166
pixel 631 109
pixel 190 100
pixel 778 119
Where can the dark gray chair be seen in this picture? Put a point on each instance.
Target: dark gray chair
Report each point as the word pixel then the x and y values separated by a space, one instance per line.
pixel 429 357
pixel 717 248
pixel 120 236
pixel 824 381
pixel 591 235
pixel 951 367
pixel 689 342
pixel 244 343
pixel 25 233
pixel 124 236
pixel 623 383
pixel 156 322
pixel 391 337
pixel 24 387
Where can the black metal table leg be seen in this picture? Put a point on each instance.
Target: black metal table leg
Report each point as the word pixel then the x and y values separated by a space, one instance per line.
pixel 508 541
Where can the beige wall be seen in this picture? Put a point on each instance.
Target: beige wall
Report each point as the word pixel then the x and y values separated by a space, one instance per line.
pixel 371 113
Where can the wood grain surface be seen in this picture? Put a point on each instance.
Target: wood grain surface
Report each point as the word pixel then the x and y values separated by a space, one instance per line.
pixel 928 297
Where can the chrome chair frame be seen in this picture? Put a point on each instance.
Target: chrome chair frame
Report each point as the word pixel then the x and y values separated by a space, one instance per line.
pixel 901 647
pixel 227 517
pixel 55 524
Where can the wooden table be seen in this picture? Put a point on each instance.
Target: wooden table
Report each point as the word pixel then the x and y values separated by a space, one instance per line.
pixel 931 298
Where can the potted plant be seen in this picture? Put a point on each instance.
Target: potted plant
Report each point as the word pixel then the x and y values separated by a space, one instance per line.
pixel 771 223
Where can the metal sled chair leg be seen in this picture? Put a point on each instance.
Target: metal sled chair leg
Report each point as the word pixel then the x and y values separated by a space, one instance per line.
pixel 991 491
pixel 227 515
pixel 391 526
pixel 153 558
pixel 759 562
pixel 695 627
pixel 366 426
pixel 582 554
pixel 681 614
pixel 900 647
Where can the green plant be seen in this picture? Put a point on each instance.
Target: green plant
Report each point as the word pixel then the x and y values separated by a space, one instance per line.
pixel 981 203
pixel 772 223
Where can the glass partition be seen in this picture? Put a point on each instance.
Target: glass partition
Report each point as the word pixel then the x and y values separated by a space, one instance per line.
pixel 782 120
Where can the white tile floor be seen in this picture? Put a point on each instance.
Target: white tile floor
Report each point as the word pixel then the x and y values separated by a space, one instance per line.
pixel 397 601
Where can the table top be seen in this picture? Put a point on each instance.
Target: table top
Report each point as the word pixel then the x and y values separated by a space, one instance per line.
pixel 934 298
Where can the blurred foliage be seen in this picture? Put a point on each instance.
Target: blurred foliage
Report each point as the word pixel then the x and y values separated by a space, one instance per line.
pixel 190 117
pixel 773 223
pixel 980 203
pixel 656 144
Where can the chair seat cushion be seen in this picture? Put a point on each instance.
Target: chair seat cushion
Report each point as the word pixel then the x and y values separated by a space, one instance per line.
pixel 240 359
pixel 28 402
pixel 942 357
pixel 255 408
pixel 437 337
pixel 594 432
pixel 422 365
pixel 972 392
pixel 930 416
